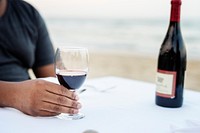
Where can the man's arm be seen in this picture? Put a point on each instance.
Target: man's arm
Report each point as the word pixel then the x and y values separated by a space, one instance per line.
pixel 44 71
pixel 8 94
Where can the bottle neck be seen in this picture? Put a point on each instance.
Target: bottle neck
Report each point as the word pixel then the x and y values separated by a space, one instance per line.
pixel 175 10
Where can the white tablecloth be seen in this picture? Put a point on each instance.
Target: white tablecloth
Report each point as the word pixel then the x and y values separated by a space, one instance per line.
pixel 128 106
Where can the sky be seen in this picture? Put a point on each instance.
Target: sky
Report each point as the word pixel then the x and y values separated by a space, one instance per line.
pixel 114 8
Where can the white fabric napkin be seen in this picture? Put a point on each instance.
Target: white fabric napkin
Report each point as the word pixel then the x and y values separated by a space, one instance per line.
pixel 190 126
pixel 51 79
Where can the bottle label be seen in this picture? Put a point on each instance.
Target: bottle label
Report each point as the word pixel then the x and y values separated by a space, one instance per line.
pixel 165 83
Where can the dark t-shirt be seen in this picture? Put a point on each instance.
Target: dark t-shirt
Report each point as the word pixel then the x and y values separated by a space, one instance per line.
pixel 24 41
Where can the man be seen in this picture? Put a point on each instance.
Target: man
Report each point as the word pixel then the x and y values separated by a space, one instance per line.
pixel 24 44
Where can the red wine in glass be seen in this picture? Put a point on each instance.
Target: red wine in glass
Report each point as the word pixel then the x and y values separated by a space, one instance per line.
pixel 72 80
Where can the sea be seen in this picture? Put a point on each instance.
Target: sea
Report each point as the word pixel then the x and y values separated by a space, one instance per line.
pixel 142 36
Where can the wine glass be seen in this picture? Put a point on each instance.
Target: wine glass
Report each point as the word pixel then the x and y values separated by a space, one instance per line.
pixel 71 67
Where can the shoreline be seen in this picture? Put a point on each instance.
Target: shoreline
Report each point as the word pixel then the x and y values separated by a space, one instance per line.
pixel 137 67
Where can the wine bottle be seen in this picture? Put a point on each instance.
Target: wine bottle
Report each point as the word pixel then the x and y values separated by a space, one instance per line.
pixel 171 63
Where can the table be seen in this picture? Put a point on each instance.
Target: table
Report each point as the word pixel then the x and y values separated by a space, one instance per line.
pixel 112 105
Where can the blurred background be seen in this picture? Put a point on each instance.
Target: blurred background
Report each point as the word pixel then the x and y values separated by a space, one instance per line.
pixel 123 36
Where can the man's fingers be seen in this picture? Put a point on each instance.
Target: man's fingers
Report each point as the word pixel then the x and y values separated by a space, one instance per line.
pixel 60 90
pixel 55 108
pixel 61 100
pixel 47 113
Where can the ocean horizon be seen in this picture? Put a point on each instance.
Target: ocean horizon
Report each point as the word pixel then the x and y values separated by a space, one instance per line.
pixel 142 36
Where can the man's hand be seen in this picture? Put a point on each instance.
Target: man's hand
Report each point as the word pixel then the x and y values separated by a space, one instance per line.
pixel 42 98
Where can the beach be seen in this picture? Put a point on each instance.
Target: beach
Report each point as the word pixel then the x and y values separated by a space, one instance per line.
pixel 137 67
pixel 126 47
pixel 136 34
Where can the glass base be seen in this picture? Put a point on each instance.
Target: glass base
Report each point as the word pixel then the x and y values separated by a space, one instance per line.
pixel 71 116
